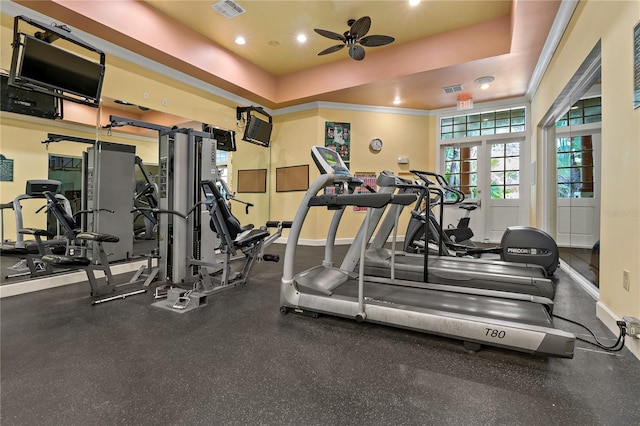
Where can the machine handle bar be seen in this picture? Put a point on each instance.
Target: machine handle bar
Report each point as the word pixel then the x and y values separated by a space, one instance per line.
pixel 79 212
pixel 442 181
pixel 275 224
pixel 173 212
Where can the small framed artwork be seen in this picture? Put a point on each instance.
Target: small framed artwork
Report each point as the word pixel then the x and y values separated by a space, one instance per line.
pixel 636 66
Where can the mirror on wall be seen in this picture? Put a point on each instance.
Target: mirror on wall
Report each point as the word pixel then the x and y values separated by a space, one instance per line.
pixel 63 161
pixel 578 152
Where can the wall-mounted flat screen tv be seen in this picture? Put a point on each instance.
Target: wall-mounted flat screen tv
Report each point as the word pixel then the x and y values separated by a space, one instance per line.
pixel 257 131
pixel 225 139
pixel 45 67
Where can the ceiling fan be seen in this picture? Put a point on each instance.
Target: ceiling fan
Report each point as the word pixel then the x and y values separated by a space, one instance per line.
pixel 355 38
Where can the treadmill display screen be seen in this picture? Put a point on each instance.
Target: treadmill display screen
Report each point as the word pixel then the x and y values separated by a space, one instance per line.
pixel 328 161
pixel 331 157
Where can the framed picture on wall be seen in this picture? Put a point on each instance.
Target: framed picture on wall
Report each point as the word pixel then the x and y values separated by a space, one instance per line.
pixel 337 136
pixel 6 169
pixel 636 66
pixel 368 178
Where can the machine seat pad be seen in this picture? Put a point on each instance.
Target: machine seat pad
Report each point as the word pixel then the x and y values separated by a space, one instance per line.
pixel 61 260
pixel 36 231
pixel 251 238
pixel 100 238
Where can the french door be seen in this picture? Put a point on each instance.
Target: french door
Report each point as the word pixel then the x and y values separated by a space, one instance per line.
pixel 489 173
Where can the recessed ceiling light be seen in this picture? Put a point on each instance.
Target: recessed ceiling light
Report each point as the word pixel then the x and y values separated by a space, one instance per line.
pixel 397 101
pixel 241 41
pixel 484 82
pixel 414 2
pixel 301 38
pixel 121 102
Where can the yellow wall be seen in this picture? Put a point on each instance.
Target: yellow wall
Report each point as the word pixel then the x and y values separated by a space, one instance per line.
pixel 21 135
pixel 613 23
pixel 21 142
pixel 292 138
pixel 403 135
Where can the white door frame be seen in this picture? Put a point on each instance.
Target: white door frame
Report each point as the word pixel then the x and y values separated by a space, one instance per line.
pixel 485 226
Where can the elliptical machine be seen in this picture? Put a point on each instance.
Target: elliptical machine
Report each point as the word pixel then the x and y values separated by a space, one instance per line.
pixel 521 244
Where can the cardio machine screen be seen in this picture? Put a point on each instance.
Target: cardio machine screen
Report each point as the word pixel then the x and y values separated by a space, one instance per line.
pixel 331 157
pixel 328 161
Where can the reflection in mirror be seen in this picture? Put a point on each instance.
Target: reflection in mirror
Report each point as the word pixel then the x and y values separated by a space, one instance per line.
pixel 578 148
pixel 63 161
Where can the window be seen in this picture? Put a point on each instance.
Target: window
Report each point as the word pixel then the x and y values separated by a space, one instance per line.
pixel 582 112
pixel 505 171
pixel 461 169
pixel 575 167
pixel 222 157
pixel 222 160
pixel 486 123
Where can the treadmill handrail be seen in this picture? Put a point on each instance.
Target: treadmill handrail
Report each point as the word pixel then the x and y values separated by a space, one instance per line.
pixel 442 181
pixel 373 200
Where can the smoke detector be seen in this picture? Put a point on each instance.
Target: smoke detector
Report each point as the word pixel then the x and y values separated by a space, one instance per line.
pixel 484 82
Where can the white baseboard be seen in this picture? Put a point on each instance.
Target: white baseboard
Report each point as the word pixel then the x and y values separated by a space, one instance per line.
pixel 603 313
pixel 608 318
pixel 53 281
pixel 586 285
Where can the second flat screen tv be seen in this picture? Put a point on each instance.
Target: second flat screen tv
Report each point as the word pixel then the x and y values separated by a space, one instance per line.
pixel 257 131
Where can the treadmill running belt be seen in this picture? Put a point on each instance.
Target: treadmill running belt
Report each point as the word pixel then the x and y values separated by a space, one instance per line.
pixel 455 303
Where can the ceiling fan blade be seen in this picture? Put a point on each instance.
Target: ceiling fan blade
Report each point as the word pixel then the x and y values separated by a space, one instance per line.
pixel 360 27
pixel 331 49
pixel 356 52
pixel 329 34
pixel 376 40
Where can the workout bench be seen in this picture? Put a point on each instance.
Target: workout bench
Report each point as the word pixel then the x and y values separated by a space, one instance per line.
pixel 69 259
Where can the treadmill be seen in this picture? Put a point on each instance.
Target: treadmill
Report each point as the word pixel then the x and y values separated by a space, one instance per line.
pixel 489 274
pixel 476 319
pixel 34 190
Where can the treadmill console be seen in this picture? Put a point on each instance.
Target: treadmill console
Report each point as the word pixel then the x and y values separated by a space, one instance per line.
pixel 37 187
pixel 328 161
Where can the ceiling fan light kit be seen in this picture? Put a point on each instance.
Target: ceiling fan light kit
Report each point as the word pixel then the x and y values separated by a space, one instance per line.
pixel 355 38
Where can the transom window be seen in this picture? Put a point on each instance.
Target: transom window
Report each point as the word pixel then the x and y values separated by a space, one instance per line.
pixel 582 112
pixel 461 170
pixel 575 167
pixel 486 123
pixel 505 171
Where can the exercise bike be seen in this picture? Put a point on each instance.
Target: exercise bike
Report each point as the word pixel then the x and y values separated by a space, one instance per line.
pixel 520 244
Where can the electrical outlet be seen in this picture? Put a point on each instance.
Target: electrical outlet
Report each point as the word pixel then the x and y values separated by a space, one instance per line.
pixel 625 279
pixel 146 95
pixel 164 102
pixel 633 326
